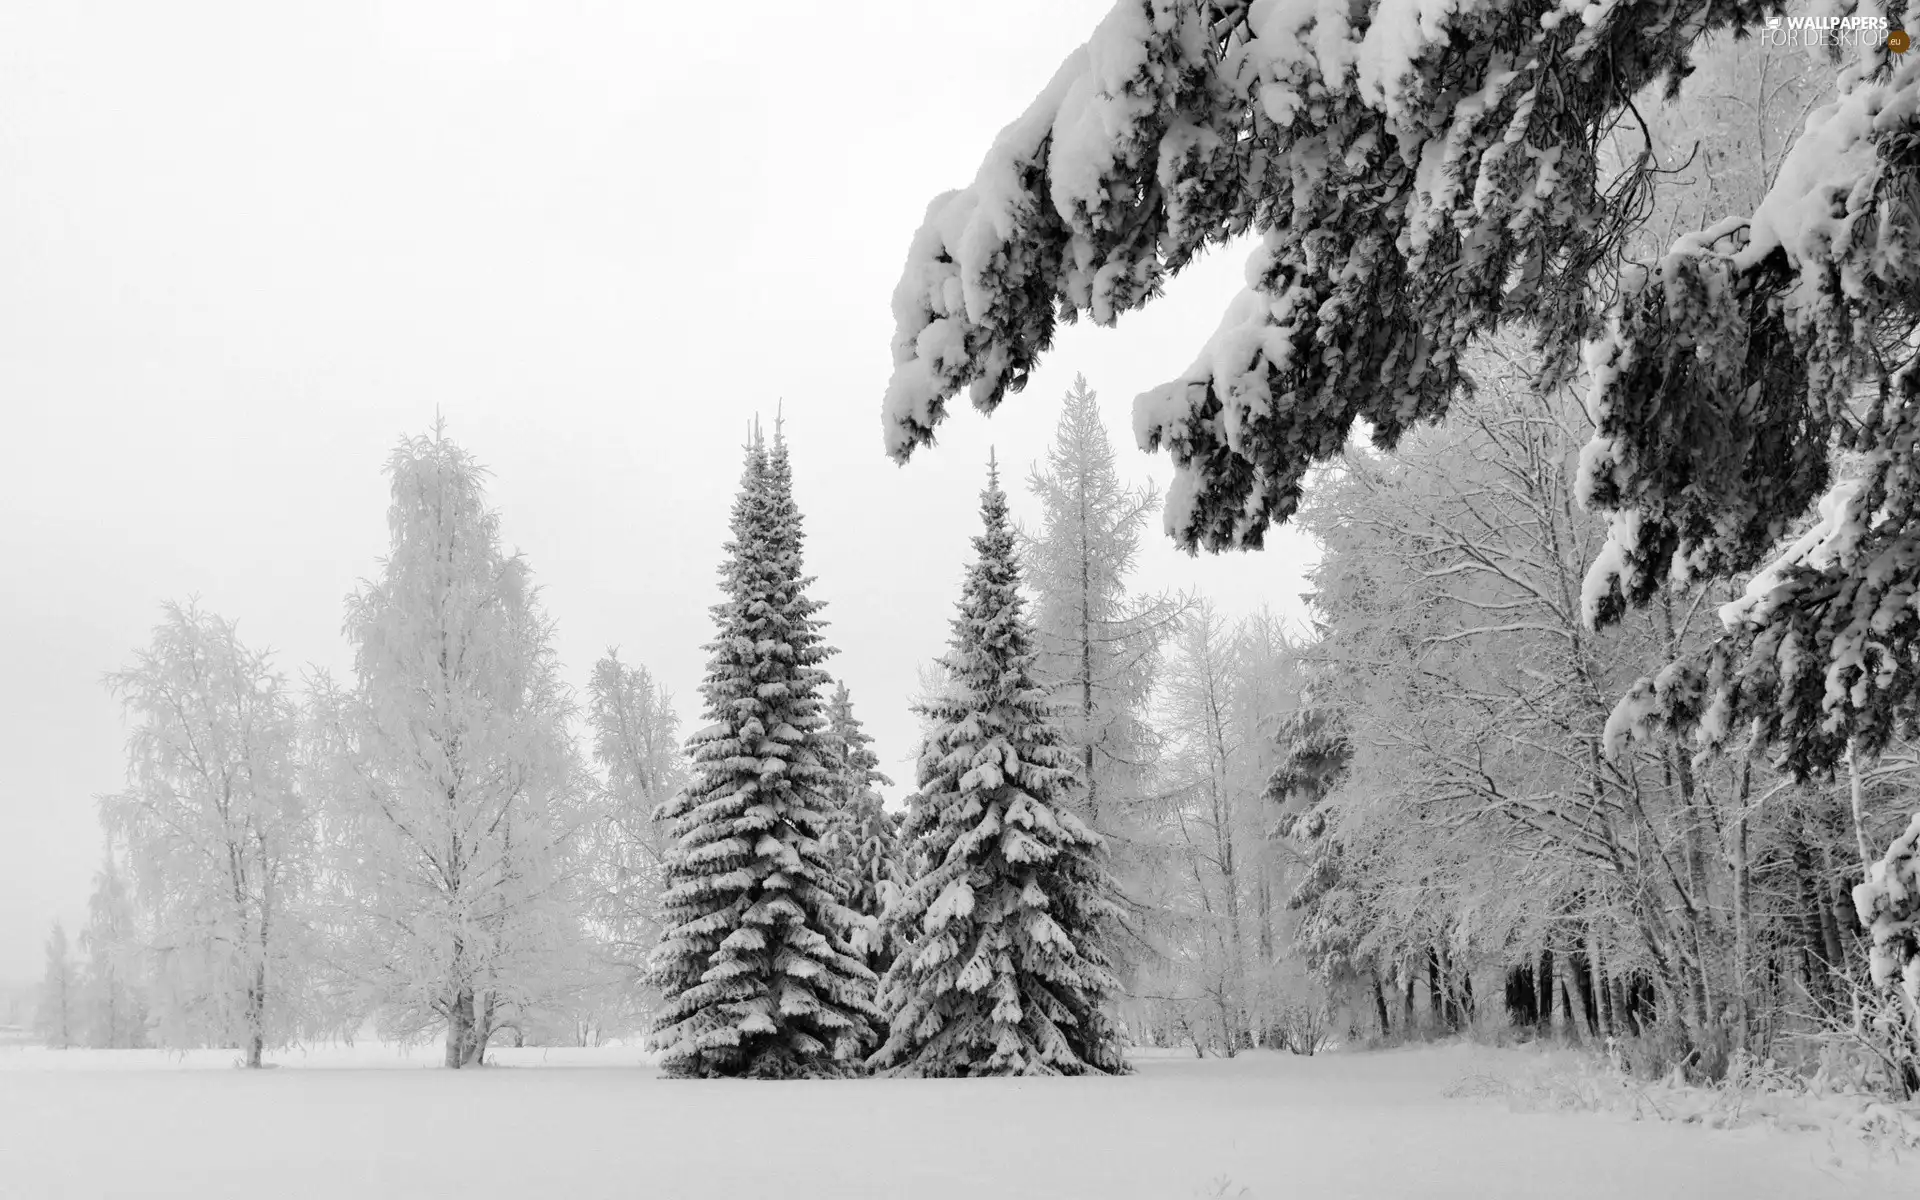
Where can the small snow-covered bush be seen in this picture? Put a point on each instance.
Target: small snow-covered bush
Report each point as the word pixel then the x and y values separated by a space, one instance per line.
pixel 1751 1092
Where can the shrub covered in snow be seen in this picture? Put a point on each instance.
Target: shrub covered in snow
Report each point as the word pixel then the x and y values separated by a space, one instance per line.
pixel 1889 906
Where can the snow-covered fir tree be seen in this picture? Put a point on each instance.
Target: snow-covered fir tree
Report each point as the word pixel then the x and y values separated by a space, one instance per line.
pixel 54 1016
pixel 866 840
pixel 1000 970
pixel 460 801
pixel 755 966
pixel 219 839
pixel 113 1007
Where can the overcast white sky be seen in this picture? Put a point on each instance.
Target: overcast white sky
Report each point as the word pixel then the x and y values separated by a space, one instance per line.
pixel 244 247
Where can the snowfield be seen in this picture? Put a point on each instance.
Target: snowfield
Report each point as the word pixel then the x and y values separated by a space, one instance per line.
pixel 580 1124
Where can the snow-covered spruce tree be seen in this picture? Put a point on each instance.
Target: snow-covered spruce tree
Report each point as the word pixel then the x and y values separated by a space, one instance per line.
pixel 1000 969
pixel 54 1016
pixel 460 802
pixel 219 839
pixel 1420 174
pixel 866 838
pixel 757 976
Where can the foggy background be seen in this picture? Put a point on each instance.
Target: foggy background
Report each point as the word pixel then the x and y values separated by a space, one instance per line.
pixel 245 248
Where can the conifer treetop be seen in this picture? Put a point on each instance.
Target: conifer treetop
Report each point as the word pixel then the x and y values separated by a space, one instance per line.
pixel 754 965
pixel 999 970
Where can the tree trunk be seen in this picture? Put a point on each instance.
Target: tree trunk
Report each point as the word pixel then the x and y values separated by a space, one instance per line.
pixel 256 1015
pixel 1602 1003
pixel 1572 1009
pixel 1086 651
pixel 484 1016
pixel 460 1028
pixel 1817 931
pixel 1556 1010
pixel 1544 1002
pixel 1380 1003
pixel 1436 1004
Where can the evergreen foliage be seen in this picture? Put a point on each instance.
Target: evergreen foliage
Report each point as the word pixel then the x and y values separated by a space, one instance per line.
pixel 1420 176
pixel 866 838
pixel 755 967
pixel 1000 969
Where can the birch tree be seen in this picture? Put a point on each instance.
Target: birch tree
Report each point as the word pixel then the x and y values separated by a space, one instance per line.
pixel 636 745
pixel 461 800
pixel 218 836
pixel 1211 824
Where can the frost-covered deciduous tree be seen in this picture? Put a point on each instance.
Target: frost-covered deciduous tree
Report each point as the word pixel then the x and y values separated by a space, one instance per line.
pixel 460 801
pixel 1098 644
pixel 1480 830
pixel 1422 174
pixel 1219 896
pixel 1000 969
pixel 756 971
pixel 112 1001
pixel 219 839
pixel 55 1015
pixel 636 745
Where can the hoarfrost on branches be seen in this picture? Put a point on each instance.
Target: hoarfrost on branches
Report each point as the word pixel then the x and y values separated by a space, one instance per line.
pixel 459 802
pixel 218 835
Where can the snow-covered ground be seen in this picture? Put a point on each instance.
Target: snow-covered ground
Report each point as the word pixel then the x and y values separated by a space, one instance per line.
pixel 581 1124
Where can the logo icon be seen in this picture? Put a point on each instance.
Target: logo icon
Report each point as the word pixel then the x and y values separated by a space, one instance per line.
pixel 1898 41
pixel 1773 22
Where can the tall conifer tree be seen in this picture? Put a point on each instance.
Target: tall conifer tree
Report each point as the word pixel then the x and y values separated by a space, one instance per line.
pixel 1000 970
pixel 757 974
pixel 866 836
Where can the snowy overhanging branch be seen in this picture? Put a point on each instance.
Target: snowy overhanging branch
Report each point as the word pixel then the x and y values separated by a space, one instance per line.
pixel 1421 170
pixel 1731 372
